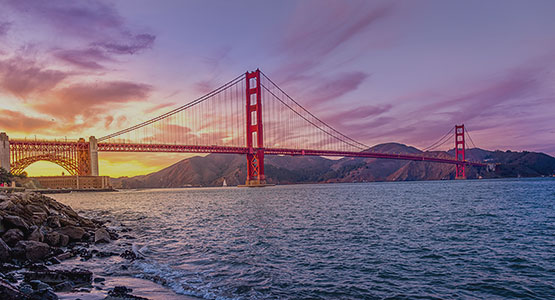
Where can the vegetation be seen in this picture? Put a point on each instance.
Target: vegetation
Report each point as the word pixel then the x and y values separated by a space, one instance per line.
pixel 5 176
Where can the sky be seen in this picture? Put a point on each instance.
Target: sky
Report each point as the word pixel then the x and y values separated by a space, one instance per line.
pixel 378 71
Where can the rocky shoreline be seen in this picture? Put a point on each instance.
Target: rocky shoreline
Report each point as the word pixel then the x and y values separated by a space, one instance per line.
pixel 37 234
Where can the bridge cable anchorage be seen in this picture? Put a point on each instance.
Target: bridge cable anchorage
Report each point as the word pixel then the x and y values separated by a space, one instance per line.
pixel 360 145
pixel 176 110
pixel 436 145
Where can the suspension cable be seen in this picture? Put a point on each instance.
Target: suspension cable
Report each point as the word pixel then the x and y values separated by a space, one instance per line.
pixel 361 145
pixel 176 110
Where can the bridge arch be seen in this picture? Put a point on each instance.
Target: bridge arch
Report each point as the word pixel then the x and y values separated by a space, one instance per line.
pixel 70 166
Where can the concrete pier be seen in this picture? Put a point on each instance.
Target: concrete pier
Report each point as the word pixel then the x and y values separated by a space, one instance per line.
pixel 93 153
pixel 4 151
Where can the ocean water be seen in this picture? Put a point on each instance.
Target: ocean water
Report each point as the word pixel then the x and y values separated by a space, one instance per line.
pixel 474 239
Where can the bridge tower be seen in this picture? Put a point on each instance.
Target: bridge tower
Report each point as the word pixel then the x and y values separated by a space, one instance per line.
pixel 255 140
pixel 4 151
pixel 459 151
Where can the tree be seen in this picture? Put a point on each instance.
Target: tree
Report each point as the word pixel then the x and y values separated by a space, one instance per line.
pixel 5 176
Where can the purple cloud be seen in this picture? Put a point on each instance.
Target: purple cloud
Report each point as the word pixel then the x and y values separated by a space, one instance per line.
pixel 22 77
pixel 4 28
pixel 329 89
pixel 87 58
pixel 131 45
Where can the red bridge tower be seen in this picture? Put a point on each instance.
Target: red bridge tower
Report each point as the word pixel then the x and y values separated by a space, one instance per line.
pixel 255 140
pixel 459 151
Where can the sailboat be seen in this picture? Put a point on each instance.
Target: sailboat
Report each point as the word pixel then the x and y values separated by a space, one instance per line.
pixel 225 183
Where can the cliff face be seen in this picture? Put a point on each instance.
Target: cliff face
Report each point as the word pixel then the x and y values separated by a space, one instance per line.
pixel 212 169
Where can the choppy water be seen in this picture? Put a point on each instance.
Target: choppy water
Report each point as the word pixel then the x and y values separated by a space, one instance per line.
pixel 487 239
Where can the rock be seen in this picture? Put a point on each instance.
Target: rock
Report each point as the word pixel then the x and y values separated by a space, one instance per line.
pixel 44 295
pixel 101 236
pixel 99 279
pixel 4 251
pixel 12 236
pixel 128 254
pixel 64 256
pixel 9 292
pixel 65 286
pixel 106 254
pixel 15 222
pixel 52 238
pixel 122 293
pixel 74 233
pixel 54 277
pixel 39 285
pixel 32 250
pixel 64 240
pixel 53 222
pixel 36 235
pixel 7 205
pixel 25 288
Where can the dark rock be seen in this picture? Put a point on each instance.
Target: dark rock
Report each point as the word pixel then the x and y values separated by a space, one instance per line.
pixel 101 236
pixel 43 295
pixel 52 238
pixel 39 285
pixel 15 222
pixel 32 250
pixel 74 233
pixel 25 288
pixel 106 254
pixel 36 235
pixel 53 222
pixel 129 237
pixel 4 251
pixel 122 293
pixel 9 292
pixel 65 286
pixel 64 240
pixel 54 277
pixel 99 279
pixel 12 236
pixel 38 267
pixel 128 254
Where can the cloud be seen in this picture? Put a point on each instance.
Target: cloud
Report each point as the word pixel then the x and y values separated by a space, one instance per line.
pixel 359 113
pixel 329 89
pixel 4 28
pixel 89 58
pixel 316 31
pixel 158 107
pixel 130 45
pixel 90 99
pixel 22 77
pixel 18 122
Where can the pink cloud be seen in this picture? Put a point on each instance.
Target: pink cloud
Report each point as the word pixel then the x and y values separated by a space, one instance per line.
pixel 88 100
pixel 22 77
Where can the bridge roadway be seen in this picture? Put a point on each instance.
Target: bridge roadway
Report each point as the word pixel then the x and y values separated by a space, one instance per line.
pixel 125 147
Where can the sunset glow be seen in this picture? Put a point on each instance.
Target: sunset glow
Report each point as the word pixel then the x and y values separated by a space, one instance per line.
pixel 398 70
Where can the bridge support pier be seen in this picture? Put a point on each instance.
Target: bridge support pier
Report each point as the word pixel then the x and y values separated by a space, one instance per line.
pixel 4 151
pixel 93 155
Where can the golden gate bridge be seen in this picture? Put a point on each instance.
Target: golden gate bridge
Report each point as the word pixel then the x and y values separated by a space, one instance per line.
pixel 249 115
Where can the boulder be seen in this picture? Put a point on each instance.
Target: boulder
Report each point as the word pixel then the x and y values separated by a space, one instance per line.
pixel 15 222
pixel 32 250
pixel 52 238
pixel 64 240
pixel 74 233
pixel 9 292
pixel 36 235
pixel 101 236
pixel 53 222
pixel 53 277
pixel 4 251
pixel 12 236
